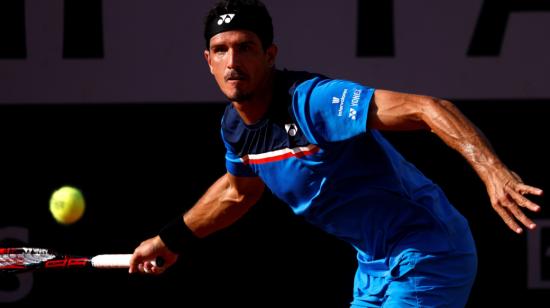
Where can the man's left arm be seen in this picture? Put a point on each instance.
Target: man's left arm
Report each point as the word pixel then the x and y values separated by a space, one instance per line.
pixel 399 111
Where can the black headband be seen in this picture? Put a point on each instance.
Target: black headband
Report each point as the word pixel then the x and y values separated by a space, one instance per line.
pixel 241 21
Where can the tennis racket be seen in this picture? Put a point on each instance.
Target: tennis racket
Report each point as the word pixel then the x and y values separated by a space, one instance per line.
pixel 23 259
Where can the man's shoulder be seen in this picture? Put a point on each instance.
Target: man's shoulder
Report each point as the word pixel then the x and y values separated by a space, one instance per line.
pixel 293 74
pixel 230 116
pixel 296 76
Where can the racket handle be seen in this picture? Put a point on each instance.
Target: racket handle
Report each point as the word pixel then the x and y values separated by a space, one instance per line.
pixel 119 261
pixel 111 261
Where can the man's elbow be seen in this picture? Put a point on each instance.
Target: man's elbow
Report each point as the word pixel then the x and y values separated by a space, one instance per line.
pixel 253 196
pixel 432 107
pixel 248 197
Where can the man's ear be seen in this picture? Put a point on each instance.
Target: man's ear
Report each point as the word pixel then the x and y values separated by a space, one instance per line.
pixel 272 54
pixel 208 61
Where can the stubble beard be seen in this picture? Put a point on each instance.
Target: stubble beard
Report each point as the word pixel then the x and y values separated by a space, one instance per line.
pixel 239 96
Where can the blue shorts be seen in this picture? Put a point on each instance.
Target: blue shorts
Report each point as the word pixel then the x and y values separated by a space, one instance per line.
pixel 419 280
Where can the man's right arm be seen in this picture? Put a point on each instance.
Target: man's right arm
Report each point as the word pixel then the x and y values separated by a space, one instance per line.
pixel 227 200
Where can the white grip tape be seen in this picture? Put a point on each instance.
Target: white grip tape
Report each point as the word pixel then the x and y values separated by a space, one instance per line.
pixel 112 261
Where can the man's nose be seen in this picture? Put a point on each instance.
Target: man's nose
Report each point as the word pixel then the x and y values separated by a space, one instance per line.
pixel 233 58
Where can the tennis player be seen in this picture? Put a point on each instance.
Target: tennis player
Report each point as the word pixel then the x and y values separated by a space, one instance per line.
pixel 315 142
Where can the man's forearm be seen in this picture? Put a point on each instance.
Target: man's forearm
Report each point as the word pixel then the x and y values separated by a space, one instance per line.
pixel 447 122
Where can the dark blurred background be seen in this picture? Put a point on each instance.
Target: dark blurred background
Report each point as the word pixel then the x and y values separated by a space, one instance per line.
pixel 142 151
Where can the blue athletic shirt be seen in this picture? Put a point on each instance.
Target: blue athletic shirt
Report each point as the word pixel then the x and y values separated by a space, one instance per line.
pixel 313 151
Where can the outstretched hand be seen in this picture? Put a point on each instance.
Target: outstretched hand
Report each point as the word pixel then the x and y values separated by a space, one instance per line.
pixel 507 194
pixel 149 250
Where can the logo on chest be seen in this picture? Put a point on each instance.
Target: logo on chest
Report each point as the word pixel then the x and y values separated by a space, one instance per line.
pixel 291 129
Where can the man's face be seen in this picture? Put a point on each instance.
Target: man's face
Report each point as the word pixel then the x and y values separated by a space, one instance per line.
pixel 239 63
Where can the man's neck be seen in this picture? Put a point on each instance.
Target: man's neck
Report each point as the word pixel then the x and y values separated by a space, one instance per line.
pixel 254 109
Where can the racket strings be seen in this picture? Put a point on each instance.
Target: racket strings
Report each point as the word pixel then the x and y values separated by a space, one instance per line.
pixel 24 258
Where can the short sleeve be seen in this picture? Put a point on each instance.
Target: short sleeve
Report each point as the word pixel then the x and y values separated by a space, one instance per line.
pixel 330 110
pixel 236 166
pixel 233 163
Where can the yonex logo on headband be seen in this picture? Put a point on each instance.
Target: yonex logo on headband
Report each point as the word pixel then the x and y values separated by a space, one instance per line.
pixel 225 18
pixel 243 18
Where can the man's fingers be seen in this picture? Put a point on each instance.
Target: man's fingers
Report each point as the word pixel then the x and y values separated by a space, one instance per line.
pixel 510 211
pixel 508 219
pixel 134 262
pixel 524 202
pixel 526 189
pixel 157 269
pixel 148 267
pixel 520 216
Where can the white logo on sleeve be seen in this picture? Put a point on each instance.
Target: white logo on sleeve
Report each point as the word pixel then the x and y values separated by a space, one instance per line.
pixel 354 103
pixel 356 97
pixel 352 114
pixel 340 101
pixel 227 18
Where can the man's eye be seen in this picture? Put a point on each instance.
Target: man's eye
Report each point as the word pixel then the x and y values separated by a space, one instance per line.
pixel 219 50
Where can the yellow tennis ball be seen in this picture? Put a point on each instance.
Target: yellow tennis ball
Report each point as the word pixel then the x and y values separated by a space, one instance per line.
pixel 67 205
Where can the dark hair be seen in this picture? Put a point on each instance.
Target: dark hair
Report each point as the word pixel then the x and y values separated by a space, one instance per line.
pixel 249 15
